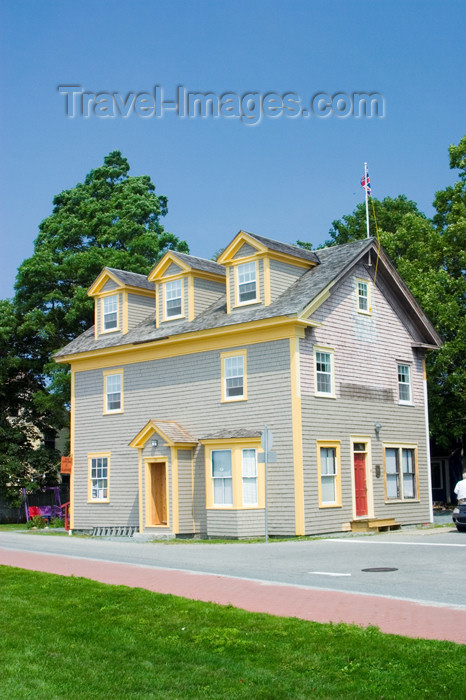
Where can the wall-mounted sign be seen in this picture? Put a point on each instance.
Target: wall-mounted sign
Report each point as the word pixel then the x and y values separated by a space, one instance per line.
pixel 66 465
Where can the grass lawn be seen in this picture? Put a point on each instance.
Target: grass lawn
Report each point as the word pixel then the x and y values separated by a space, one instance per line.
pixel 74 638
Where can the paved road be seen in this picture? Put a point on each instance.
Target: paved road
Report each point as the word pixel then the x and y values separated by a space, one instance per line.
pixel 431 564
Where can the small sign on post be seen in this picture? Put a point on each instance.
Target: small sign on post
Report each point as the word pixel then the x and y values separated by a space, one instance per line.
pixel 66 465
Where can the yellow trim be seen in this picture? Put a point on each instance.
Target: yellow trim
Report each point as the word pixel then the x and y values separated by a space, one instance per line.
pixel 223 357
pixel 140 495
pixel 164 304
pixel 175 497
pixel 369 296
pixel 367 440
pixel 257 299
pixel 228 288
pixel 158 300
pixel 331 352
pixel 296 417
pixel 149 429
pixel 90 457
pixel 96 320
pixel 316 302
pixel 107 373
pixel 336 445
pixel 267 288
pixel 190 281
pixel 113 293
pixel 220 338
pixel 290 259
pixel 100 282
pixel 238 241
pixel 401 446
pixel 72 438
pixel 235 446
pixel 170 257
pixel 147 462
pixel 125 311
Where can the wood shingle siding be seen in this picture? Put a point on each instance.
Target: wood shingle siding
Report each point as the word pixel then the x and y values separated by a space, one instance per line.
pixel 139 308
pixel 206 292
pixel 282 276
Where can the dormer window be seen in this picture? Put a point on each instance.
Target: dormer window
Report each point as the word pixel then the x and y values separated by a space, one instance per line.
pixel 173 305
pixel 247 283
pixel 110 313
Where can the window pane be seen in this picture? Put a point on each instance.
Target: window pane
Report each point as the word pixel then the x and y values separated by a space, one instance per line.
pixel 363 303
pixel 99 482
pixel 391 460
pixel 247 282
pixel 250 492
pixel 328 460
pixel 234 371
pixel 408 486
pixel 324 372
pixel 392 486
pixel 173 298
pixel 110 307
pixel 328 489
pixel 249 463
pixel 404 383
pixel 221 463
pixel 392 472
pixel 223 492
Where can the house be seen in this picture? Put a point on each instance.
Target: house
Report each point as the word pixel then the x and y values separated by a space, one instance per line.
pixel 172 388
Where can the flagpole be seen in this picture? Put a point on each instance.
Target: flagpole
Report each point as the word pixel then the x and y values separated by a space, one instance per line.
pixel 367 201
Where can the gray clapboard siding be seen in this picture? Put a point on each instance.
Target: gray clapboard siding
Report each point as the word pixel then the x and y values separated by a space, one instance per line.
pixel 282 276
pixel 236 523
pixel 186 491
pixel 109 286
pixel 366 351
pixel 186 389
pixel 172 270
pixel 206 292
pixel 139 307
pixel 245 251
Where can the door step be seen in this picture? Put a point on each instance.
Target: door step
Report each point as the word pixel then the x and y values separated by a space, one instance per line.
pixel 374 525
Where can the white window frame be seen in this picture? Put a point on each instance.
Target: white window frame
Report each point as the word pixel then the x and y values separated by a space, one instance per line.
pixel 114 300
pixel 222 502
pixel 234 367
pixel 99 464
pixel 249 479
pixel 318 351
pixel 360 297
pixel 247 271
pixel 323 446
pixel 401 474
pixel 109 391
pixel 402 383
pixel 173 290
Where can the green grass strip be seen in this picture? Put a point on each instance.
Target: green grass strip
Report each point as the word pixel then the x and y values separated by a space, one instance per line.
pixel 74 638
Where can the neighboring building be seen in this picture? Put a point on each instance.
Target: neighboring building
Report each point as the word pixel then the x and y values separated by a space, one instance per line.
pixel 172 388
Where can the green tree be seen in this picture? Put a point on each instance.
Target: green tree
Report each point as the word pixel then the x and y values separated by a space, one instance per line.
pixel 111 219
pixel 430 257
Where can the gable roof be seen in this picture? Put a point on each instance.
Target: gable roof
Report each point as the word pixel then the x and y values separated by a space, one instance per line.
pixel 286 248
pixel 169 430
pixel 335 263
pixel 186 262
pixel 122 278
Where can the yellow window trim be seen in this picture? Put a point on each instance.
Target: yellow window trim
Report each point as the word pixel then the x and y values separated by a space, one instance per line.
pixel 331 351
pixel 164 301
pixel 235 446
pixel 257 300
pixel 401 446
pixel 223 357
pixel 367 282
pixel 90 457
pixel 115 293
pixel 108 373
pixel 336 445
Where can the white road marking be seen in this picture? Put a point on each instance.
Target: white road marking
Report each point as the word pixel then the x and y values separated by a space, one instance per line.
pixel 327 573
pixel 413 544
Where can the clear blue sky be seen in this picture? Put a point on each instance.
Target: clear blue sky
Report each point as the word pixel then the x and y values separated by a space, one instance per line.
pixel 283 178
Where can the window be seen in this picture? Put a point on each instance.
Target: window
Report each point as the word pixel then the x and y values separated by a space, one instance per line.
pixel 324 372
pixel 234 473
pixel 113 391
pixel 173 305
pixel 400 473
pixel 249 473
pixel 234 376
pixel 99 472
pixel 404 384
pixel 246 276
pixel 328 460
pixel 222 478
pixel 363 296
pixel 110 313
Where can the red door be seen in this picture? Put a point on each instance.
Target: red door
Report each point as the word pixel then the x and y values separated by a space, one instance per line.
pixel 360 483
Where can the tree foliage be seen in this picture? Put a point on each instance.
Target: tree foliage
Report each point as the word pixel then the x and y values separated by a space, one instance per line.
pixel 111 219
pixel 430 256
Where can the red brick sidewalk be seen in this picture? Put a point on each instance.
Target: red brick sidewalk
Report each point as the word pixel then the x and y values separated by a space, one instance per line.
pixel 390 615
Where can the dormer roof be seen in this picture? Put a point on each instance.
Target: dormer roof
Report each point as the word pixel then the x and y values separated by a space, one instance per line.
pixel 122 278
pixel 186 263
pixel 263 245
